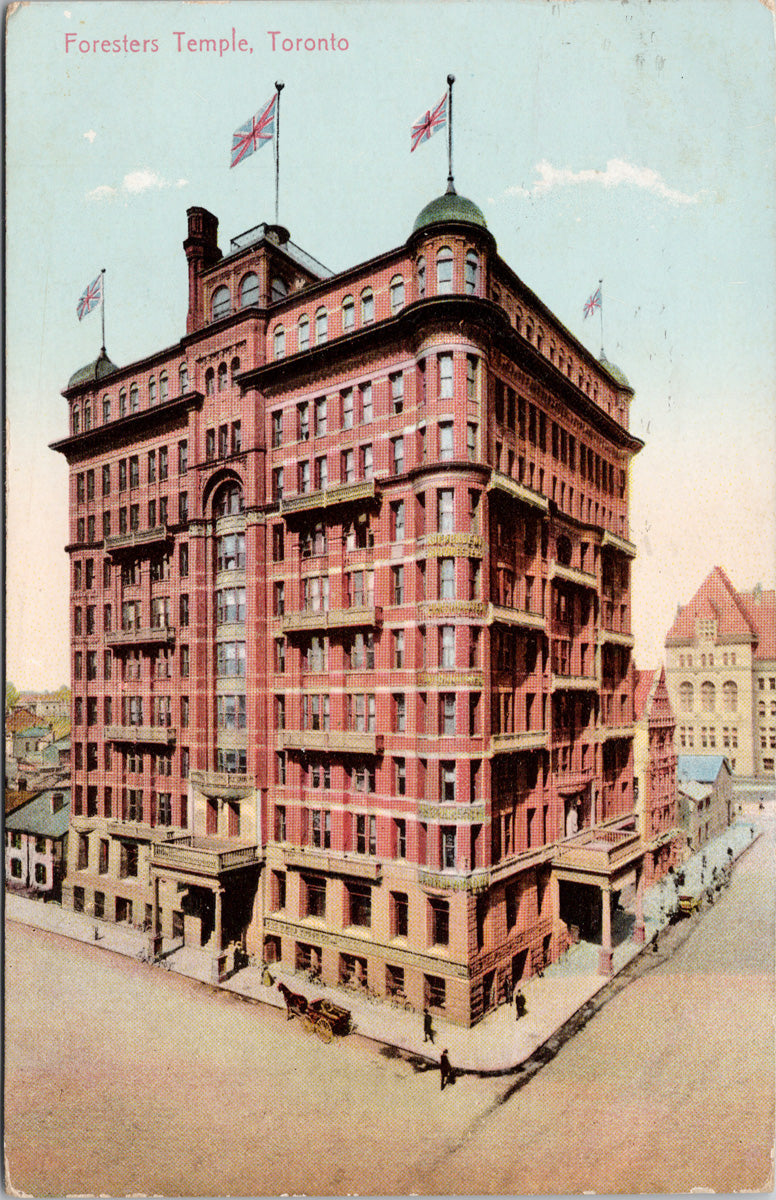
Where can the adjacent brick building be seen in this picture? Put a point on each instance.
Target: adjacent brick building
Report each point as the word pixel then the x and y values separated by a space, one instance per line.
pixel 721 673
pixel 655 772
pixel 351 616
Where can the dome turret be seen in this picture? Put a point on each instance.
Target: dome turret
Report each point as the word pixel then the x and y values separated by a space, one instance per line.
pixel 449 207
pixel 94 371
pixel 617 375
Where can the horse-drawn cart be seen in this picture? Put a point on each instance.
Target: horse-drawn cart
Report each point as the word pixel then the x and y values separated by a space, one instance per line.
pixel 321 1017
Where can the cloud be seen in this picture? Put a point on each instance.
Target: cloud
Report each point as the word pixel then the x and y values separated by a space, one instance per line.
pixel 134 183
pixel 90 135
pixel 616 174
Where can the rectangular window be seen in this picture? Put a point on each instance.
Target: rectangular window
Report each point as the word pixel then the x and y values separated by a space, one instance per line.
pixel 277 429
pixel 397 577
pixel 321 415
pixel 397 455
pixel 445 440
pixel 446 578
pixel 397 391
pixel 347 409
pixel 447 646
pixel 359 897
pixel 445 511
pixel 365 395
pixel 447 714
pixel 440 922
pixel 397 521
pixel 445 376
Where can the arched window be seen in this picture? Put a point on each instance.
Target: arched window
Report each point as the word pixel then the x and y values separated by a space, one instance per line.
pixel 164 389
pixel 367 306
pixel 686 697
pixel 321 326
pixel 106 408
pixel 87 416
pixel 348 313
pixel 730 695
pixel 444 271
pixel 249 289
pixel 210 380
pixel 76 419
pixel 529 331
pixel 234 367
pixel 472 273
pixel 421 269
pixel 304 333
pixel 152 391
pixel 183 376
pixel 280 341
pixel 563 551
pixel 397 293
pixel 123 402
pixel 222 377
pixel 134 398
pixel 278 289
pixel 228 500
pixel 707 696
pixel 221 304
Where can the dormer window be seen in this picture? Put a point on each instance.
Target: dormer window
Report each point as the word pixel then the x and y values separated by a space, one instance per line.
pixel 397 294
pixel 249 289
pixel 421 269
pixel 472 273
pixel 278 289
pixel 221 304
pixel 444 271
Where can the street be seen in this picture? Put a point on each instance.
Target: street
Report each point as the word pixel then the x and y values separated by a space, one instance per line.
pixel 122 1078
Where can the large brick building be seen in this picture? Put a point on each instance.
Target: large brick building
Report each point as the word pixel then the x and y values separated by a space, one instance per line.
pixel 351 617
pixel 721 673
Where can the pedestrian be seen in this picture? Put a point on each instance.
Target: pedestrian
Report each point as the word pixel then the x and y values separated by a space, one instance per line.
pixel 519 1004
pixel 428 1029
pixel 446 1071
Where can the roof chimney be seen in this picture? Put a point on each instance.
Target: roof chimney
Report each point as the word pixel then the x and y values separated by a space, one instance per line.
pixel 201 247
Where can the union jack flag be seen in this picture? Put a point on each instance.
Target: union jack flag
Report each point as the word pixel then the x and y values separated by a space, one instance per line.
pixel 254 133
pixel 432 120
pixel 593 303
pixel 91 297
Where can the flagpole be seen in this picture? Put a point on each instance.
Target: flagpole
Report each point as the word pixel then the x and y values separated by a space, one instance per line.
pixel 279 85
pixel 102 306
pixel 450 82
pixel 601 308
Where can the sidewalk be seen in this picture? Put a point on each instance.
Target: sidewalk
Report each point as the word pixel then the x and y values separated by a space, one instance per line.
pixel 498 1044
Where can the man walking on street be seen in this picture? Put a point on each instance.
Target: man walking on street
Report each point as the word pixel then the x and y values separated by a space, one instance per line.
pixel 428 1029
pixel 519 1004
pixel 447 1075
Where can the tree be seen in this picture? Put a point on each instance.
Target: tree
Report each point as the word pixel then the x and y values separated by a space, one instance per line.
pixel 11 696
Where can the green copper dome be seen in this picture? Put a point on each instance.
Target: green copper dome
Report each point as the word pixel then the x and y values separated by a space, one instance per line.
pixel 617 375
pixel 94 371
pixel 449 207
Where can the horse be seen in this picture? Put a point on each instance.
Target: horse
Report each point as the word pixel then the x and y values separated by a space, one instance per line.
pixel 295 1003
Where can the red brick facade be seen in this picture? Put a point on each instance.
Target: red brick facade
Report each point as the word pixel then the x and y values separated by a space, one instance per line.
pixel 351 616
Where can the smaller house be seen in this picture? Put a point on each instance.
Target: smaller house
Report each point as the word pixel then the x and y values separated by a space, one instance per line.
pixel 705 797
pixel 36 843
pixel 57 754
pixel 30 743
pixel 655 761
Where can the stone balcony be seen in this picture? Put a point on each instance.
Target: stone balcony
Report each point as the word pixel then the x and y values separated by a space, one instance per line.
pixel 576 683
pixel 337 741
pixel 522 739
pixel 607 732
pixel 346 493
pixel 616 638
pixel 152 735
pixel 225 784
pixel 137 539
pixel 309 858
pixel 335 618
pixel 573 575
pixel 141 636
pixel 204 856
pixel 613 542
pixel 518 491
pixel 599 851
pixel 499 613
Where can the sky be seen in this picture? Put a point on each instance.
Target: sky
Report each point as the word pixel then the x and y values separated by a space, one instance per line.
pixel 625 140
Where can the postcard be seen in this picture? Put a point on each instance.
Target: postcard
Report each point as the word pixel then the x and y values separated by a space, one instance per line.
pixel 391 623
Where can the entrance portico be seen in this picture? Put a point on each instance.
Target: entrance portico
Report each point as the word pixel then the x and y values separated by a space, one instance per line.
pixel 603 860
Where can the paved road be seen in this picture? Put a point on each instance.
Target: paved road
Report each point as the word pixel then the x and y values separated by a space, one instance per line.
pixel 669 1088
pixel 121 1078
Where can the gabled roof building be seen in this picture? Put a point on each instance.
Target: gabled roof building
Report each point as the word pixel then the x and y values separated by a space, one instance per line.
pixel 721 673
pixel 351 623
pixel 655 772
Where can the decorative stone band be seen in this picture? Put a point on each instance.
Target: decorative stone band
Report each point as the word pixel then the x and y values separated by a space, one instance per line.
pixel 445 679
pixel 474 881
pixel 352 945
pixel 455 609
pixel 460 813
pixel 440 545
